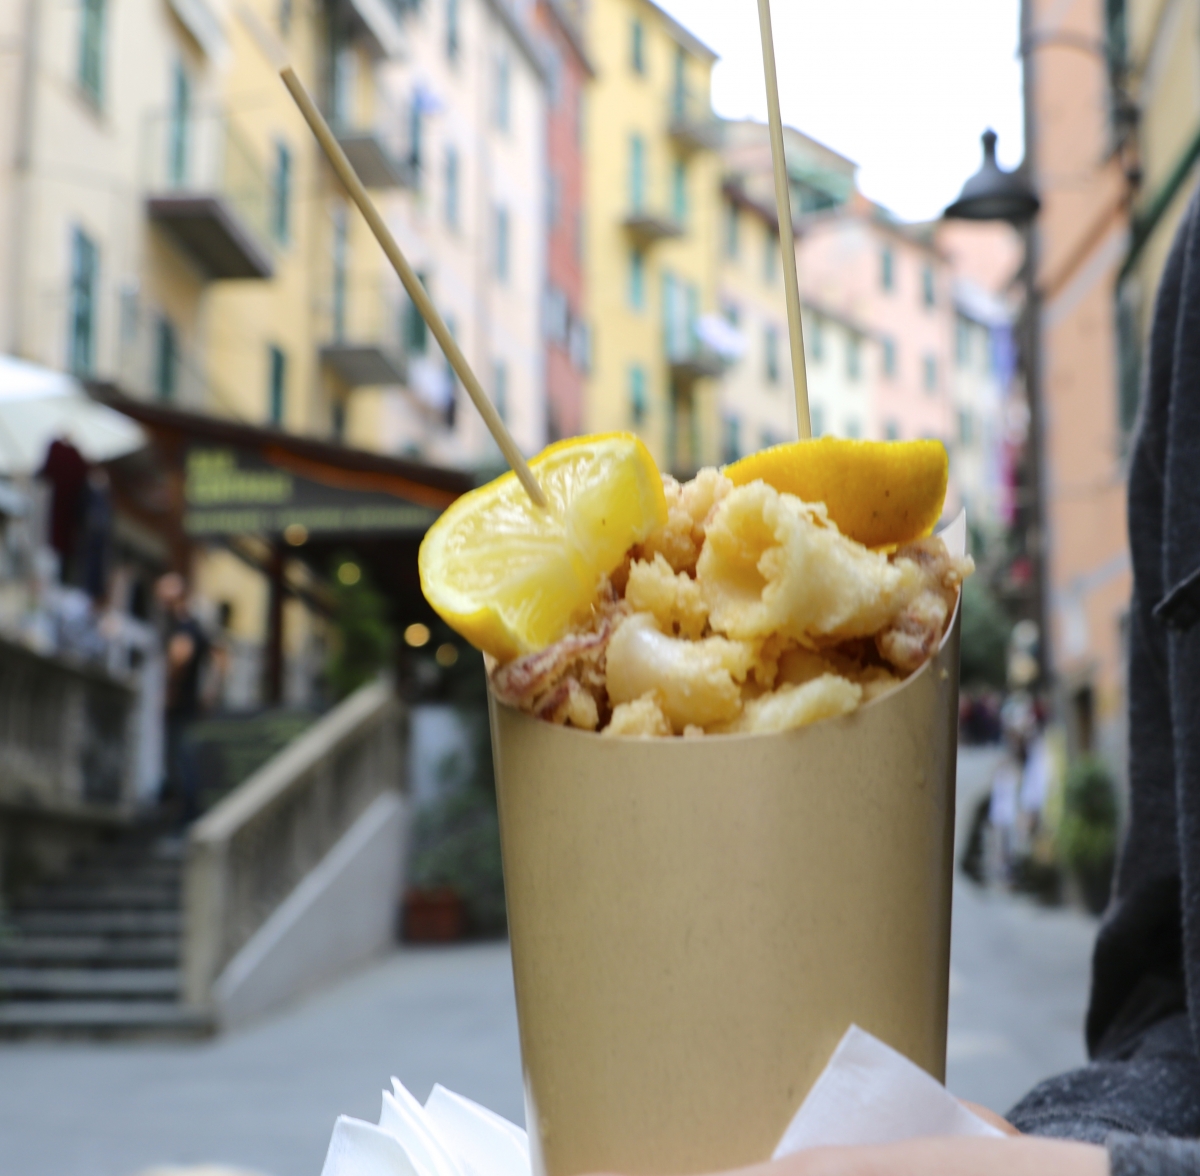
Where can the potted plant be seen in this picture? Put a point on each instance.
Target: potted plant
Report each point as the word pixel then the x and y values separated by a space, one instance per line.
pixel 1087 834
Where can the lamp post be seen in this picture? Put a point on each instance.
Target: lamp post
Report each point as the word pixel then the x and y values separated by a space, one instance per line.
pixel 993 194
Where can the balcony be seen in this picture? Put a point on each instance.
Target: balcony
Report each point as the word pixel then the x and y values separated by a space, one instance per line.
pixel 701 349
pixel 691 122
pixel 209 194
pixel 646 226
pixel 380 23
pixel 362 325
pixel 375 146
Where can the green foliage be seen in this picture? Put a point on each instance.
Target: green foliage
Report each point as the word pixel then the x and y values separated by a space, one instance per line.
pixel 985 632
pixel 456 840
pixel 1087 834
pixel 363 637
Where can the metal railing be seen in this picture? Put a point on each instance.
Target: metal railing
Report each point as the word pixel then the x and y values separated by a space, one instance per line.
pixel 250 852
pixel 690 118
pixel 202 153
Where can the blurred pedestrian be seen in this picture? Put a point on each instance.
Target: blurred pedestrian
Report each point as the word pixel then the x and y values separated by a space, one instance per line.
pixel 185 648
pixel 66 471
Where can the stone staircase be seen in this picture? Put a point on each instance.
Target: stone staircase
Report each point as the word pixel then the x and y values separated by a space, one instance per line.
pixel 96 951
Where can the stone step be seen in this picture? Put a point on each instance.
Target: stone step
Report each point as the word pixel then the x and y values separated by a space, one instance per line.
pixel 89 951
pixel 69 896
pixel 113 924
pixel 108 983
pixel 100 1018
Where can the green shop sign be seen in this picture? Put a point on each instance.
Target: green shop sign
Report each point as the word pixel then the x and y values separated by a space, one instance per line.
pixel 231 491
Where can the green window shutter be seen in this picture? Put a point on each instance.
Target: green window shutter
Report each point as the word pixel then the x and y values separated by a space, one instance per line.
pixel 85 265
pixel 277 384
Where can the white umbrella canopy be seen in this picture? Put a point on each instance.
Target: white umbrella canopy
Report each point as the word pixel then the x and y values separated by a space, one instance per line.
pixel 38 405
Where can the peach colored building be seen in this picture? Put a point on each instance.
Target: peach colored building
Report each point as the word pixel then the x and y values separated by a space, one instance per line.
pixel 1082 236
pixel 869 268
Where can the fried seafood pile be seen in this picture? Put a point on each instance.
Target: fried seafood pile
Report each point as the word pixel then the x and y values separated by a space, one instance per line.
pixel 749 611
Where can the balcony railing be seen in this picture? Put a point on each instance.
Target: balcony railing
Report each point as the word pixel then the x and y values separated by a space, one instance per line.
pixel 377 146
pixel 691 122
pixel 701 348
pixel 208 191
pixel 362 332
pixel 647 225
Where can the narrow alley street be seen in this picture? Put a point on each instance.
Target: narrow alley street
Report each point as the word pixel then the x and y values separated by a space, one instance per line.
pixel 263 1100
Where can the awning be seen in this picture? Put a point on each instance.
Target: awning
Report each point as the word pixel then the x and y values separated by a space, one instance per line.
pixel 244 479
pixel 38 405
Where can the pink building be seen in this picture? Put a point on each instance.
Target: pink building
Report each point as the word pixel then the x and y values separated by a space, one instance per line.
pixel 890 277
pixel 568 72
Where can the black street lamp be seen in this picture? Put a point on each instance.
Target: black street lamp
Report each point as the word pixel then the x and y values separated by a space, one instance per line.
pixel 993 194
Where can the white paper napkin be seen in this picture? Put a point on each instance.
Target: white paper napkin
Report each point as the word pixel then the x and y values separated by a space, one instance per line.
pixel 868 1093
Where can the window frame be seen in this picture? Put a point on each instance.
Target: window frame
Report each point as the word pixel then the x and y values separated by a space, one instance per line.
pixel 276 384
pixel 85 278
pixel 93 39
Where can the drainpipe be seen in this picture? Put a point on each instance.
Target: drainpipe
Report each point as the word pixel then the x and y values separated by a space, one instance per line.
pixel 22 167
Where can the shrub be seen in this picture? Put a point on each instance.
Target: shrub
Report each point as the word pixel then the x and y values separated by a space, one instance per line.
pixel 985 633
pixel 1087 834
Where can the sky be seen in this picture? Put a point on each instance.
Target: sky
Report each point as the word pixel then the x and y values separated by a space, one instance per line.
pixel 902 87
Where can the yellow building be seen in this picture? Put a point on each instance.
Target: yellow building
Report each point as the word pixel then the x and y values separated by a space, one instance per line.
pixel 653 205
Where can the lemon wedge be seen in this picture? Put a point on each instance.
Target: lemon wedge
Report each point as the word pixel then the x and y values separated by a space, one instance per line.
pixel 511 577
pixel 882 493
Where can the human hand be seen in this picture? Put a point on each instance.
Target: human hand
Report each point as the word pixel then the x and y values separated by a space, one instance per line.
pixel 1024 1155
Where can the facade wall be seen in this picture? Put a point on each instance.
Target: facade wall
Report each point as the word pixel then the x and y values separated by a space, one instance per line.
pixel 494 307
pixel 565 309
pixel 631 384
pixel 1082 237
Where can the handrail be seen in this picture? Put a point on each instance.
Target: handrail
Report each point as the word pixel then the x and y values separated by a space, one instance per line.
pixel 253 848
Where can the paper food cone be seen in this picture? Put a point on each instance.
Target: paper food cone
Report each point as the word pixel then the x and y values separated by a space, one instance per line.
pixel 696 922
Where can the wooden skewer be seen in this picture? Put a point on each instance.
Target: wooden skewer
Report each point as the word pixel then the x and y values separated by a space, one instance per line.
pixel 783 202
pixel 416 291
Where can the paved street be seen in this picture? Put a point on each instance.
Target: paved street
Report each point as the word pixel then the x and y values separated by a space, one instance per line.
pixel 264 1100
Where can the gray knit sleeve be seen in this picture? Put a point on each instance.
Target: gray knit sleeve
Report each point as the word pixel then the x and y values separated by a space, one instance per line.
pixel 1141 1155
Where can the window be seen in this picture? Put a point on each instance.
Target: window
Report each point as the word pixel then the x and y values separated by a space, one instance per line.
pixel 341 227
pixel 637 47
pixel 450 410
pixel 637 173
pixel 637 279
pixel 500 388
pixel 816 339
pixel 928 290
pixel 891 431
pixel 281 194
pixel 733 314
pixel 285 17
pixel 853 356
pixel 501 258
pixel 889 358
pixel 502 96
pixel 853 429
pixel 337 421
pixel 451 30
pixel 732 443
pixel 771 355
pixel 962 341
pixel 679 84
pixel 637 393
pixel 553 200
pixel 177 148
pixel 558 317
pixel 166 358
pixel 930 366
pixel 451 193
pixel 816 418
pixel 966 427
pixel 85 265
pixel 91 48
pixel 416 137
pixel 887 266
pixel 579 235
pixel 770 256
pixel 768 437
pixel 732 221
pixel 416 333
pixel 277 384
pixel 679 192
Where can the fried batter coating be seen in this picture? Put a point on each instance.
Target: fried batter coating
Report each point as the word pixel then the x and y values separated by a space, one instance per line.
pixel 910 638
pixel 796 706
pixel 694 682
pixel 570 704
pixel 689 508
pixel 774 564
pixel 673 597
pixel 642 718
